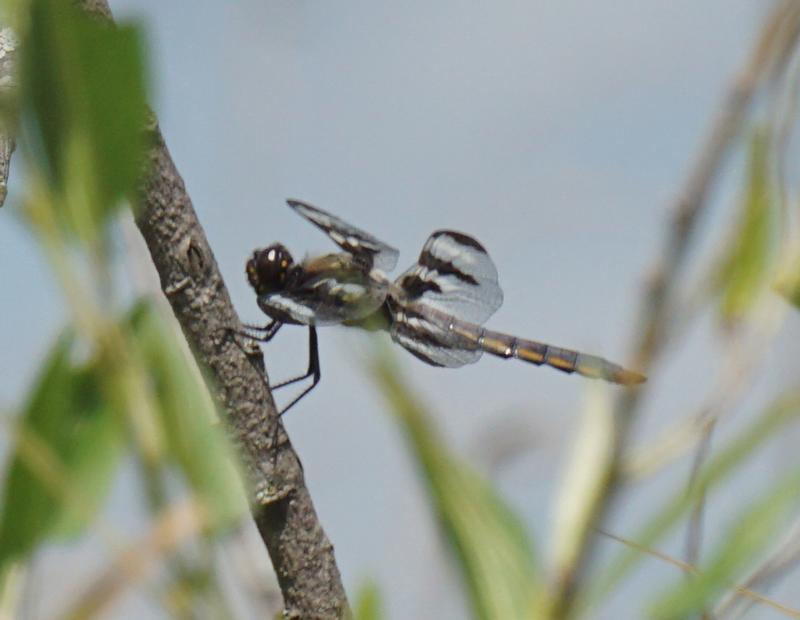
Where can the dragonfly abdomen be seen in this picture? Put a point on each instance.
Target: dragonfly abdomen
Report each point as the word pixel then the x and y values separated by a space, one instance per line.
pixel 565 360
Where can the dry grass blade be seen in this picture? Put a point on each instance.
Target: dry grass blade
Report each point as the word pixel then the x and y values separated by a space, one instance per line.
pixel 692 570
pixel 743 359
pixel 694 533
pixel 775 43
pixel 783 558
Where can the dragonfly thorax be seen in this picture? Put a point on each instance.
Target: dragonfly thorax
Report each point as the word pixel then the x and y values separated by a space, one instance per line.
pixel 268 268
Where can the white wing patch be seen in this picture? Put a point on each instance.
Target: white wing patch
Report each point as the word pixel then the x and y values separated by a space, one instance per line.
pixel 453 282
pixel 299 312
pixel 453 275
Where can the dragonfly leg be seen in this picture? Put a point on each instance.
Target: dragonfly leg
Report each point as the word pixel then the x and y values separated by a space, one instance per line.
pixel 257 333
pixel 313 370
pixel 265 332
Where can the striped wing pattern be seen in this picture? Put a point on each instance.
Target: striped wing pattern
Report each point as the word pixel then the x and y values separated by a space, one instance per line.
pixel 454 274
pixel 373 253
pixel 432 341
pixel 453 277
pixel 437 306
pixel 440 303
pixel 441 340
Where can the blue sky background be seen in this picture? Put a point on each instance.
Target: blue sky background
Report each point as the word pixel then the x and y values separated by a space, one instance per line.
pixel 557 133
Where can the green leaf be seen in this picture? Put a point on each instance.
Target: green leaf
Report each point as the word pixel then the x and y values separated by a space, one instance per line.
pixel 744 542
pixel 195 439
pixel 745 272
pixel 368 603
pixel 67 447
pixel 83 107
pixel 490 543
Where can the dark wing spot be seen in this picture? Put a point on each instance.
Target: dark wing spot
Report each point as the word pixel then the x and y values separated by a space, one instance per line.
pixel 460 238
pixel 445 268
pixel 420 355
pixel 415 287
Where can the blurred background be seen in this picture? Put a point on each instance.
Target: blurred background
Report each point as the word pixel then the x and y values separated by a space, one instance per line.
pixel 557 133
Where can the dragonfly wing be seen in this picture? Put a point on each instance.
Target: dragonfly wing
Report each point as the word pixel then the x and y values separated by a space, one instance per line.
pixel 431 341
pixel 325 298
pixel 297 307
pixel 372 252
pixel 453 275
pixel 454 280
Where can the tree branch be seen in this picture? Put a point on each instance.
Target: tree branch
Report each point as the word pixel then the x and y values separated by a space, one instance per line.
pixel 282 508
pixel 281 504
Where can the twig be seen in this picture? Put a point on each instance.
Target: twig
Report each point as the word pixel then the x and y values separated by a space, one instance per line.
pixel 281 504
pixel 694 531
pixel 743 366
pixel 776 40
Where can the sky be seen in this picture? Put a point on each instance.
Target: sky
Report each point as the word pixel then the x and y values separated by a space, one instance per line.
pixel 555 132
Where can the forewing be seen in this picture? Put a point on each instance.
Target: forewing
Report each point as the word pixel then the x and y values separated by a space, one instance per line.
pixel 369 250
pixel 453 275
pixel 326 299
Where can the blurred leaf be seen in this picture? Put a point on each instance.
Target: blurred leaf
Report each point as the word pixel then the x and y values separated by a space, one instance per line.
pixel 68 445
pixel 83 103
pixel 195 439
pixel 493 550
pixel 585 480
pixel 788 283
pixel 368 603
pixel 745 271
pixel 722 465
pixel 787 280
pixel 742 545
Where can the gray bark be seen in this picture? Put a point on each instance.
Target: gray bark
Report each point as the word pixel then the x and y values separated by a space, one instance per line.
pixel 280 502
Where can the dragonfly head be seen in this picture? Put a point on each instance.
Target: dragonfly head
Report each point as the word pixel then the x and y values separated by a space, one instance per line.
pixel 268 269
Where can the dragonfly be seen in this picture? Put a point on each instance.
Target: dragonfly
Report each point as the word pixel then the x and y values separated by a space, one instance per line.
pixel 435 310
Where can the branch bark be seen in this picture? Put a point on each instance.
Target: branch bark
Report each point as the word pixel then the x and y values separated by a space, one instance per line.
pixel 280 502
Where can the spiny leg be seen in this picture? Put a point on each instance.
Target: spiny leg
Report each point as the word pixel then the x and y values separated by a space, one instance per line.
pixel 254 356
pixel 313 370
pixel 269 330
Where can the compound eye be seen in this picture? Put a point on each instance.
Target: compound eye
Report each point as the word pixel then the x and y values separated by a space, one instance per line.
pixel 276 260
pixel 271 267
pixel 273 270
